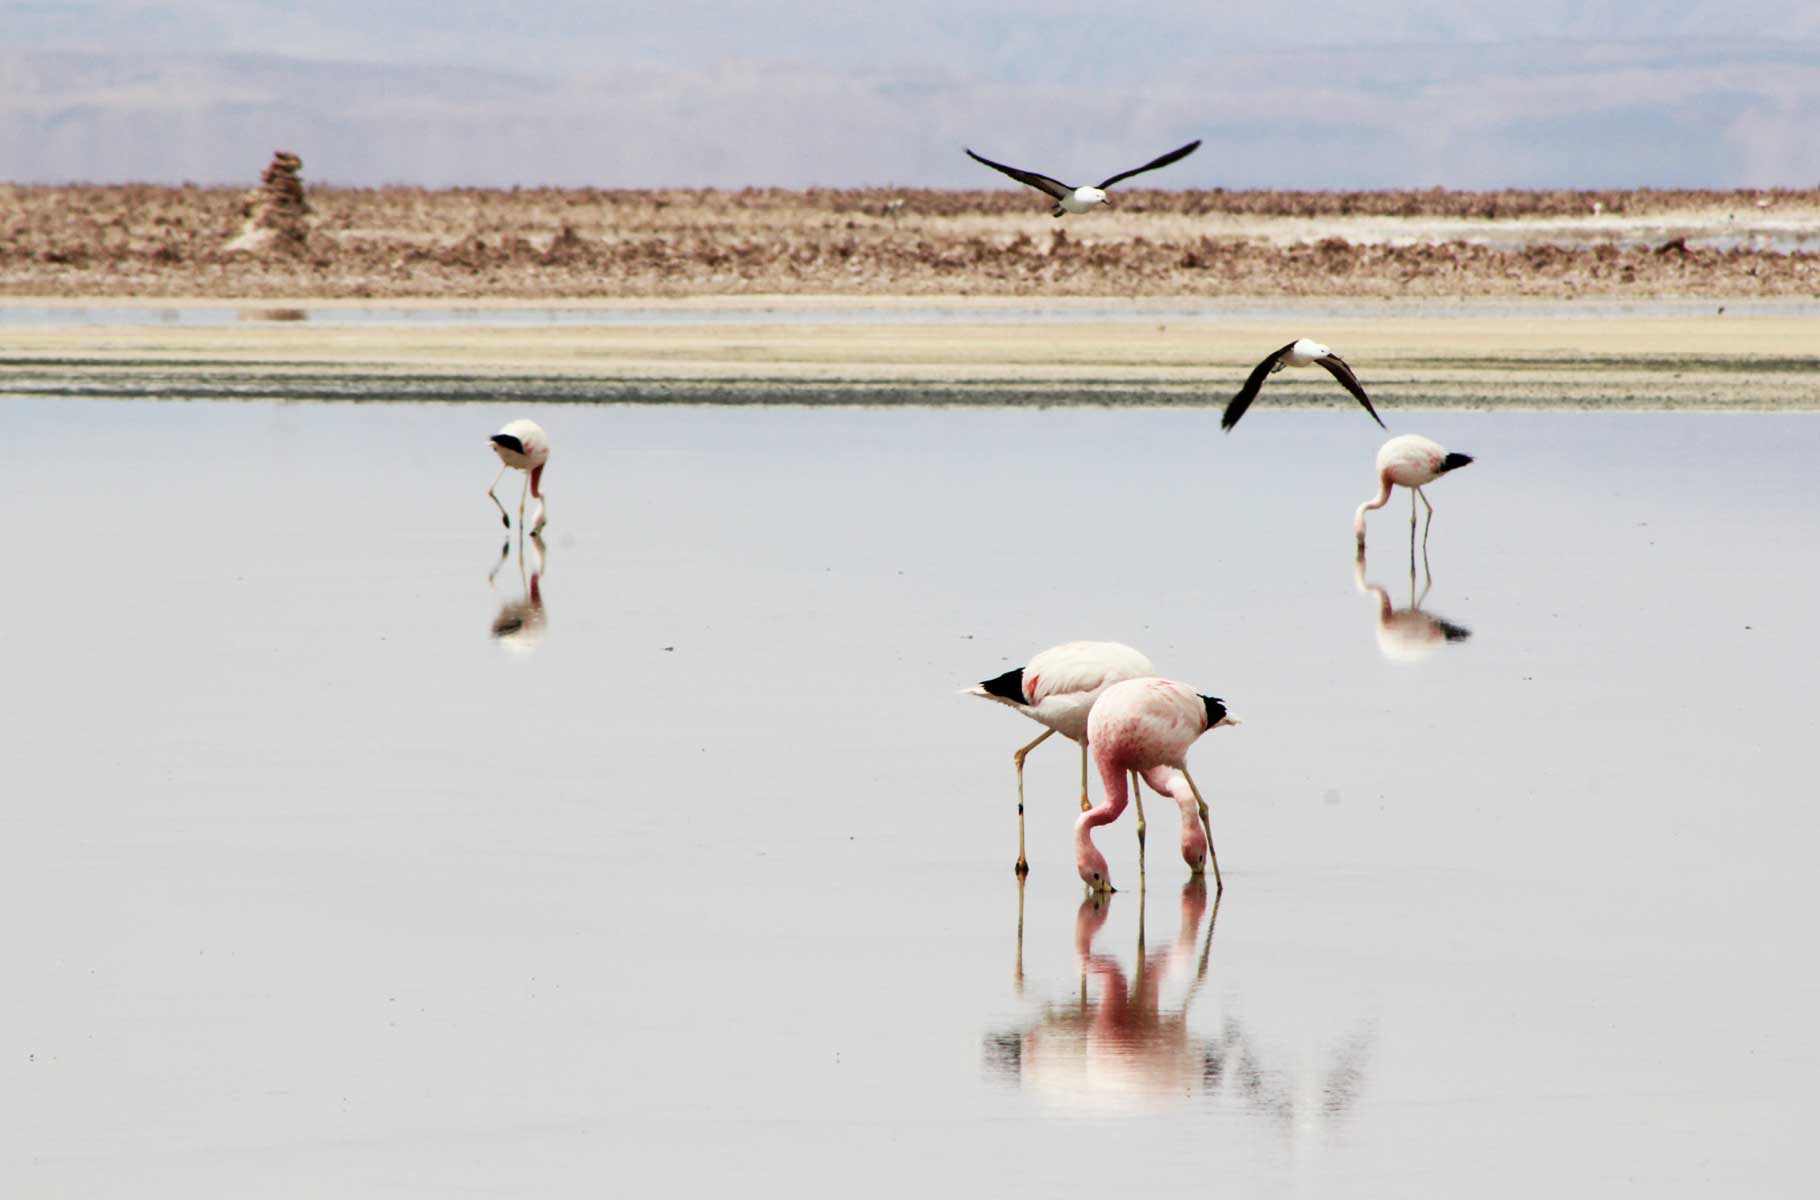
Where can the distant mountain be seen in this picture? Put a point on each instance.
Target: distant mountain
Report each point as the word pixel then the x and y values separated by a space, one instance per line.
pixel 1690 109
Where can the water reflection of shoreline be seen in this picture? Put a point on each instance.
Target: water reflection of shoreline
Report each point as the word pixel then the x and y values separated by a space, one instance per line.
pixel 519 626
pixel 1408 634
pixel 1118 1048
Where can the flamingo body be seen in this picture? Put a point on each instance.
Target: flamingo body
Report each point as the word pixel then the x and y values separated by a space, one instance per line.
pixel 1410 461
pixel 1056 689
pixel 1146 726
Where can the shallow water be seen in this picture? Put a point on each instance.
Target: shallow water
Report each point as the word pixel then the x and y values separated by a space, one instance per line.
pixel 700 875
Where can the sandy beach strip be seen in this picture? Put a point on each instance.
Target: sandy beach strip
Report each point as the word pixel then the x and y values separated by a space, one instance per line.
pixel 1508 358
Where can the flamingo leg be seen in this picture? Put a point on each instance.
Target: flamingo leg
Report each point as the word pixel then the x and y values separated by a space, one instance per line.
pixel 1431 518
pixel 1084 805
pixel 1207 827
pixel 1137 794
pixel 1412 523
pixel 507 521
pixel 1017 756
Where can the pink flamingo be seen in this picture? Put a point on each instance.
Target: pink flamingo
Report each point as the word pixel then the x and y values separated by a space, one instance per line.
pixel 1410 461
pixel 522 446
pixel 1056 689
pixel 1146 726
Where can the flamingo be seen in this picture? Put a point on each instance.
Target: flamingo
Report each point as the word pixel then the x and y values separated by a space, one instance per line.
pixel 522 446
pixel 1080 199
pixel 1410 461
pixel 1145 726
pixel 1056 689
pixel 1300 353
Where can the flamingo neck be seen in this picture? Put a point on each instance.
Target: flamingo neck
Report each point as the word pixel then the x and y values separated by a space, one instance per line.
pixel 1173 784
pixel 1112 778
pixel 1379 501
pixel 537 480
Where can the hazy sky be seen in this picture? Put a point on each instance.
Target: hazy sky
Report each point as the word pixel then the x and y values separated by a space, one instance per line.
pixel 1290 93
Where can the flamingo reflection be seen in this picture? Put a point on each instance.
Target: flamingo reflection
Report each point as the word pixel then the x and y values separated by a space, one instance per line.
pixel 1122 1049
pixel 1408 634
pixel 519 627
pixel 1119 1048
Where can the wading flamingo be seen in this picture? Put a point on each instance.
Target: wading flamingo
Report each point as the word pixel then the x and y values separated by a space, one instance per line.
pixel 1145 726
pixel 1080 199
pixel 1056 689
pixel 1300 353
pixel 1410 461
pixel 522 446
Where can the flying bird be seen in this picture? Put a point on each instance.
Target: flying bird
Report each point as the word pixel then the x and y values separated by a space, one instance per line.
pixel 1145 726
pixel 522 446
pixel 1056 689
pixel 1410 461
pixel 1300 353
pixel 1080 199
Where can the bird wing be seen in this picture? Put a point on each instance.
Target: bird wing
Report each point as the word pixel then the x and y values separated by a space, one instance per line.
pixel 1082 667
pixel 1178 153
pixel 1340 371
pixel 1041 183
pixel 1239 403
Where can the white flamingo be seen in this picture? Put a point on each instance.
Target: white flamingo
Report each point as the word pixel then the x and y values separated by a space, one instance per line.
pixel 1145 726
pixel 1410 461
pixel 1056 689
pixel 522 446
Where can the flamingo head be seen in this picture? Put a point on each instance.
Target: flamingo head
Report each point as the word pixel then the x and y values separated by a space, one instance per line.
pixel 1092 866
pixel 1216 713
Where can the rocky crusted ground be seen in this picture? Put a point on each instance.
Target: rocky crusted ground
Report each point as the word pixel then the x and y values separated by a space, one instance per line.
pixel 146 241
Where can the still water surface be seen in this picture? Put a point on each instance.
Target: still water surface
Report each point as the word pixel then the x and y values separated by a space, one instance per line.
pixel 348 852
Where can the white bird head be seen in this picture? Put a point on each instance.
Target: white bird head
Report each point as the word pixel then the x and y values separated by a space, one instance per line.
pixel 1092 195
pixel 1310 349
